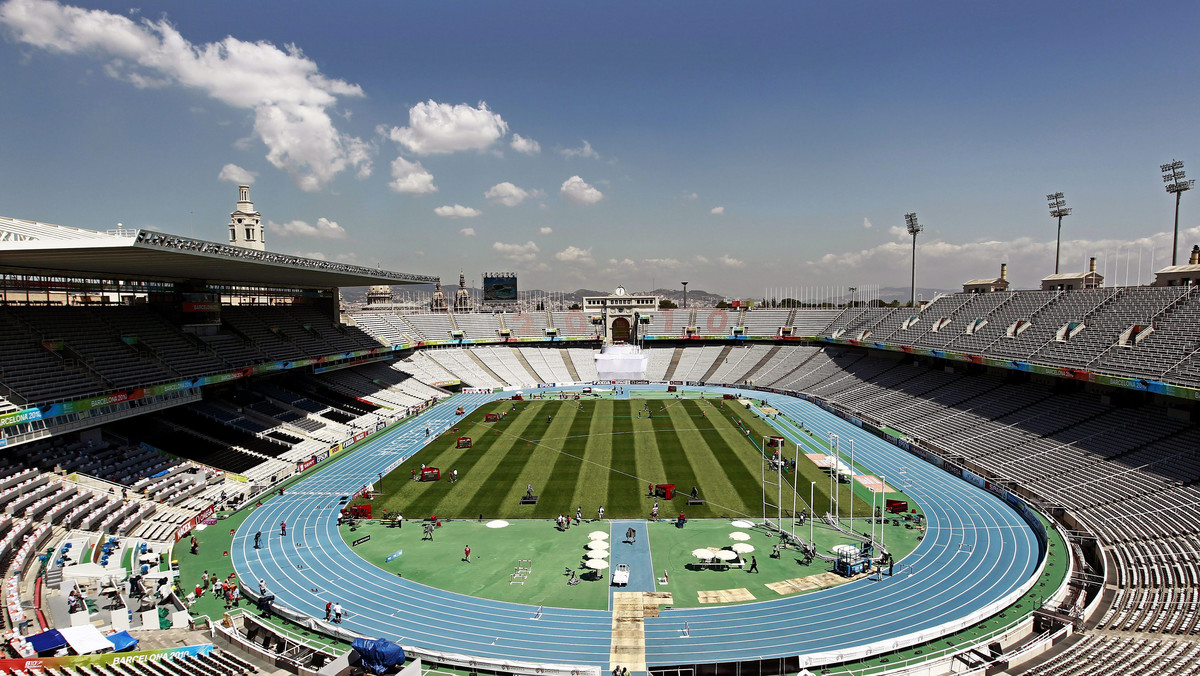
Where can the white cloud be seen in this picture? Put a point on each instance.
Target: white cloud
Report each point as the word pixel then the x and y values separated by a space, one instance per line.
pixel 457 211
pixel 573 254
pixel 438 128
pixel 717 211
pixel 324 229
pixel 690 195
pixel 624 262
pixel 288 94
pixel 664 263
pixel 467 232
pixel 899 232
pixel 728 261
pixel 585 151
pixel 525 145
pixel 232 173
pixel 545 231
pixel 507 194
pixel 702 260
pixel 522 254
pixel 576 191
pixel 868 224
pixel 411 178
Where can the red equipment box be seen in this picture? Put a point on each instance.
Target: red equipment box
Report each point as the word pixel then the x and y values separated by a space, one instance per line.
pixel 491 417
pixel 463 442
pixel 670 388
pixel 728 396
pixel 897 506
pixel 431 474
pixel 665 491
pixel 358 512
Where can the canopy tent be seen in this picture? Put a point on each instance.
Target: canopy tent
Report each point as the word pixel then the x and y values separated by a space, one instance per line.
pixel 122 641
pixel 85 639
pixel 742 547
pixel 702 554
pixel 739 536
pixel 47 641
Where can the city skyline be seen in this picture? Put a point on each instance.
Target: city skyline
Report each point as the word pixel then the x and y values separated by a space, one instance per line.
pixel 740 147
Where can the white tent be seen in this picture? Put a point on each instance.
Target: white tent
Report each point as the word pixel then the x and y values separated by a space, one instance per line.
pixel 85 639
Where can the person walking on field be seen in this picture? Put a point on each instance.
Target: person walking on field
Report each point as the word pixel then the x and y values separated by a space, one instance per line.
pixel 328 610
pixel 283 528
pixel 600 513
pixel 467 553
pixel 753 564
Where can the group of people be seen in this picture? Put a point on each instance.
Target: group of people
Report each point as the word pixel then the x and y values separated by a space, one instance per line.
pixel 333 612
pixel 221 588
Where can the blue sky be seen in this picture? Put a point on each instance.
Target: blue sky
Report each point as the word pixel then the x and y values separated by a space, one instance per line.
pixel 737 145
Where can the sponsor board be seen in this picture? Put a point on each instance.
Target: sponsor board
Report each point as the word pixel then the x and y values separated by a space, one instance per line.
pixel 360 540
pixel 107 659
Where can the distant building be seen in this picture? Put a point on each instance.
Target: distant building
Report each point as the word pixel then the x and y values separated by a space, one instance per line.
pixel 462 297
pixel 1181 275
pixel 438 302
pixel 245 224
pixel 1073 281
pixel 379 295
pixel 989 285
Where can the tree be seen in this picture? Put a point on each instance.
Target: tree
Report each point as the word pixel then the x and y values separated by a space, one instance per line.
pixel 575 306
pixel 667 304
pixel 723 305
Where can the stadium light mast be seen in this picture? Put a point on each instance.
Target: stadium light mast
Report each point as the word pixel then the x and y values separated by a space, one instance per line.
pixel 684 294
pixel 1058 209
pixel 910 221
pixel 1173 176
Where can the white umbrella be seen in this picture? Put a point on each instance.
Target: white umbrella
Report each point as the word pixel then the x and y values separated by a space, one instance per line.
pixel 742 524
pixel 742 548
pixel 597 564
pixel 597 544
pixel 726 555
pixel 702 553
pixel 597 554
pixel 598 535
pixel 739 536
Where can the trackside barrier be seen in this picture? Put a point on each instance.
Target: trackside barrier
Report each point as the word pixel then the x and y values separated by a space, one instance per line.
pixel 451 659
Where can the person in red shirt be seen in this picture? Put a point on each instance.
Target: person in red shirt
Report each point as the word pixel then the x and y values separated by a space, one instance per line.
pixel 467 553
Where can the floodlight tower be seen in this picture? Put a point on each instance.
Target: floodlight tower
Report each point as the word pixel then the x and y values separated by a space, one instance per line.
pixel 1058 209
pixel 1173 176
pixel 684 294
pixel 910 221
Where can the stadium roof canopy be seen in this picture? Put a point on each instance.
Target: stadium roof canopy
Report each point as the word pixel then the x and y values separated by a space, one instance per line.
pixel 31 248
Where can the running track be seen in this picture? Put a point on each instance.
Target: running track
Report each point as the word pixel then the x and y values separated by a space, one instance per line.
pixel 977 554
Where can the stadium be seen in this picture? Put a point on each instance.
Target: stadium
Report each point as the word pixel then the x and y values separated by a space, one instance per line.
pixel 1019 470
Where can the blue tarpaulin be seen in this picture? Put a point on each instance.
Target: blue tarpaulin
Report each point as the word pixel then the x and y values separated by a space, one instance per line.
pixel 47 641
pixel 122 641
pixel 378 655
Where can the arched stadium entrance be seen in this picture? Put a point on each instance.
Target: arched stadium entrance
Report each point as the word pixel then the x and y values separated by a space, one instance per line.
pixel 620 330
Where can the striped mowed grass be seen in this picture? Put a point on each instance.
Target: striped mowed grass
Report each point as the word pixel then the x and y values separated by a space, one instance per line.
pixel 585 454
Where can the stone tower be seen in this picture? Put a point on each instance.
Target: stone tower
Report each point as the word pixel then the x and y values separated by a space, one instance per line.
pixel 462 297
pixel 245 224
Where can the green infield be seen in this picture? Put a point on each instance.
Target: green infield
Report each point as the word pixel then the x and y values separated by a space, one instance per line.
pixel 581 455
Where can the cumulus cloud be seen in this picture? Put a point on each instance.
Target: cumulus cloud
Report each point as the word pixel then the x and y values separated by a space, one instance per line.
pixel 717 211
pixel 410 178
pixel 947 264
pixel 573 254
pixel 467 232
pixel 439 128
pixel 324 229
pixel 545 231
pixel 289 96
pixel 665 263
pixel 690 195
pixel 525 145
pixel 702 260
pixel 232 173
pixel 868 224
pixel 457 211
pixel 730 262
pixel 576 191
pixel 585 151
pixel 507 194
pixel 624 262
pixel 521 254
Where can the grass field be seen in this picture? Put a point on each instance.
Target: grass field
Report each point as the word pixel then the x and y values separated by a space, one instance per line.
pixel 596 452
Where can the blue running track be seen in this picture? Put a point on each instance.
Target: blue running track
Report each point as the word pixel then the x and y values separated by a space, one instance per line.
pixel 977 555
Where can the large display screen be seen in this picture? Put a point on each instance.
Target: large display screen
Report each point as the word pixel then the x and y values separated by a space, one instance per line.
pixel 499 288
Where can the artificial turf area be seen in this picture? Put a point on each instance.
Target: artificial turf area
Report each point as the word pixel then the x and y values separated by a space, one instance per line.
pixel 600 452
pixel 495 552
